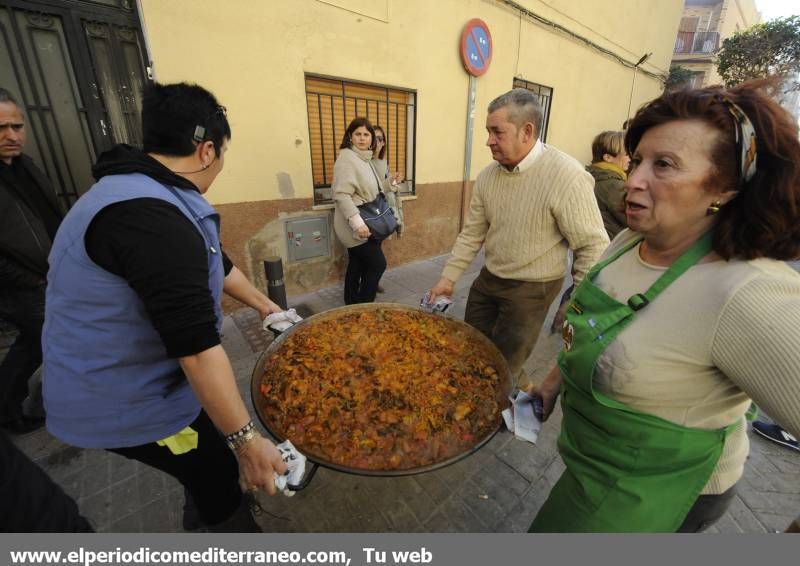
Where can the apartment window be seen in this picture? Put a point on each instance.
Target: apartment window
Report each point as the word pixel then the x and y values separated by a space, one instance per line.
pixel 545 95
pixel 333 103
pixel 696 80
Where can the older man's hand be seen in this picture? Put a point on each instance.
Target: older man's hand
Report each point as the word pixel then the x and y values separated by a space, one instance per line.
pixel 444 287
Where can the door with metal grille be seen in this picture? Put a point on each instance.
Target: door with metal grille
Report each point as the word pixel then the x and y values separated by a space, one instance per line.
pixel 77 70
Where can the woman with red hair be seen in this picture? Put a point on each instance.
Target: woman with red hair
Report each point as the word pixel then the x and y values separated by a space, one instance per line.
pixel 690 316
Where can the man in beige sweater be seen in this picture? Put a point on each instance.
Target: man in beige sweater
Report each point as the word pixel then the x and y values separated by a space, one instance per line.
pixel 528 209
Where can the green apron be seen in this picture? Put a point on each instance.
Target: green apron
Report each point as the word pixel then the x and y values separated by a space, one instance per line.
pixel 626 471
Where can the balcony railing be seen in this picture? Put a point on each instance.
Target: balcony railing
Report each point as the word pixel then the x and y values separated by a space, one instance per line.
pixel 697 42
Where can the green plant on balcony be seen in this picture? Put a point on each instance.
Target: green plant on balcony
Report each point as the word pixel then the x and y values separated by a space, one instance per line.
pixel 771 49
pixel 678 77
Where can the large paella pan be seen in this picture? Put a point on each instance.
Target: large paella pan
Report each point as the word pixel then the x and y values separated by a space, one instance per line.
pixel 381 389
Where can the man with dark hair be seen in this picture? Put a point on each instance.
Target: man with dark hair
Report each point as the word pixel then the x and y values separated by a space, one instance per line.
pixel 133 362
pixel 527 210
pixel 29 217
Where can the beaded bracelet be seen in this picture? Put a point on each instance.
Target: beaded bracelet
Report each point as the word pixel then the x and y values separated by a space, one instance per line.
pixel 243 440
pixel 237 439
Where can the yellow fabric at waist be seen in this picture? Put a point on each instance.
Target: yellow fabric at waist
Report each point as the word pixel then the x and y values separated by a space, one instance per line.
pixel 181 442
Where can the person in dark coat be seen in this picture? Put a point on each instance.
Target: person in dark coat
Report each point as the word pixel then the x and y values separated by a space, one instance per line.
pixel 609 165
pixel 29 217
pixel 32 502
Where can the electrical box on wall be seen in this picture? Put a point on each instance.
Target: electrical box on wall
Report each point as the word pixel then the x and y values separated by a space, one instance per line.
pixel 308 237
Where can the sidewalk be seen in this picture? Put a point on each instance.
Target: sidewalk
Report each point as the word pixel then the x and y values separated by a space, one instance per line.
pixel 497 489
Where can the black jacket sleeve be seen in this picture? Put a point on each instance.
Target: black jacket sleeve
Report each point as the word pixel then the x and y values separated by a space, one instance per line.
pixel 159 252
pixel 13 274
pixel 32 502
pixel 227 264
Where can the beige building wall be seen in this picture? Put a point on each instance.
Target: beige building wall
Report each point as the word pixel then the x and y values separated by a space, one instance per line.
pixel 738 15
pixel 253 56
pixel 725 17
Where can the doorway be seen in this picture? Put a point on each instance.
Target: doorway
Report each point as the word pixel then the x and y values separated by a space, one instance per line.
pixel 77 68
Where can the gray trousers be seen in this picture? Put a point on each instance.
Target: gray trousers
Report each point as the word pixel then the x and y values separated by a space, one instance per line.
pixel 510 313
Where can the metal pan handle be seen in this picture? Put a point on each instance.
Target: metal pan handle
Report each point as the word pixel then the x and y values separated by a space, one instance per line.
pixel 309 475
pixel 286 324
pixel 278 332
pixel 438 307
pixel 252 501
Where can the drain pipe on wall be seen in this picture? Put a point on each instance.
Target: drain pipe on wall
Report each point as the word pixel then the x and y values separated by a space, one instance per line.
pixel 150 67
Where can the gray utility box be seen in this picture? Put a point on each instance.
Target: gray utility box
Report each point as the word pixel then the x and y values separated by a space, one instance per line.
pixel 308 237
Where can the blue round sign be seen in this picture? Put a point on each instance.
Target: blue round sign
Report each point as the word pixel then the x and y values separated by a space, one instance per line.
pixel 476 47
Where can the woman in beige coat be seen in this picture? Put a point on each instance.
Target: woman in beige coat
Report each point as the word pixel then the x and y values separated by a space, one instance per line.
pixel 356 182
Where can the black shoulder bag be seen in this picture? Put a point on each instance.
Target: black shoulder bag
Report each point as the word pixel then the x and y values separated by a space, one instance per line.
pixel 378 215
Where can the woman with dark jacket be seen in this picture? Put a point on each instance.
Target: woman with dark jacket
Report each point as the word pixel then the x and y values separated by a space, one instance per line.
pixel 355 182
pixel 609 164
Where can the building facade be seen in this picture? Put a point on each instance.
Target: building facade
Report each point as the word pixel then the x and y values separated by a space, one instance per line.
pixel 292 74
pixel 704 25
pixel 792 101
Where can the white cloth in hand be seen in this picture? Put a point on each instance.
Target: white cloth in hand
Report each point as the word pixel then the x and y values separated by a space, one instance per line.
pixel 280 321
pixel 520 418
pixel 295 468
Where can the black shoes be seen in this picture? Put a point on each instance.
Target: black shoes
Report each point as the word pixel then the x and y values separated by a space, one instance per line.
pixel 23 424
pixel 776 434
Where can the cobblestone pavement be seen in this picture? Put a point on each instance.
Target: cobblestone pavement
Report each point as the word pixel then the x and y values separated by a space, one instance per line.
pixel 499 488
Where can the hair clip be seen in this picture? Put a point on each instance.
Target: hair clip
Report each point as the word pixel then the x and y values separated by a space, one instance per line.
pixel 746 146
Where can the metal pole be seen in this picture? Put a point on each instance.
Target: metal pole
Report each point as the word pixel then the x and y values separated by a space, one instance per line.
pixel 630 99
pixel 467 146
pixel 276 291
pixel 641 60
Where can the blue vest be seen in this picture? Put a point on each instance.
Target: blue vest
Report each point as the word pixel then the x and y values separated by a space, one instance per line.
pixel 108 382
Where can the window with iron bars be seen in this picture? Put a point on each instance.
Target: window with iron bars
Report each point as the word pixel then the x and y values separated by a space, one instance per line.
pixel 545 95
pixel 333 103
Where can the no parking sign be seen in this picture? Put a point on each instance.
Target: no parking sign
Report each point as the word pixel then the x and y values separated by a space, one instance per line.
pixel 476 47
pixel 476 54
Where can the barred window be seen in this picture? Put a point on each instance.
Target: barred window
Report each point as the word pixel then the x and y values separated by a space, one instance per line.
pixel 332 105
pixel 696 80
pixel 545 95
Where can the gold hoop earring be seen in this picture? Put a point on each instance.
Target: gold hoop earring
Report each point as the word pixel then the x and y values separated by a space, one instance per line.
pixel 713 208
